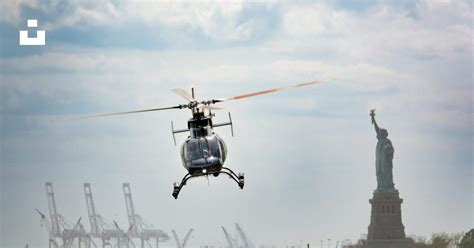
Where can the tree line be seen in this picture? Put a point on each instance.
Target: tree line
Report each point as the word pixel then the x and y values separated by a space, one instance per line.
pixel 446 240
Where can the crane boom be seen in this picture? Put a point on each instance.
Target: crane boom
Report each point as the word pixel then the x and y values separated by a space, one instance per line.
pixel 186 239
pixel 229 239
pixel 53 211
pixel 140 228
pixel 47 225
pixel 69 242
pixel 100 227
pixel 59 228
pixel 91 209
pixel 132 220
pixel 243 236
pixel 176 239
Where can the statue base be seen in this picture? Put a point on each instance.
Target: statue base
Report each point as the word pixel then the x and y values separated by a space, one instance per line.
pixel 387 243
pixel 386 217
pixel 386 228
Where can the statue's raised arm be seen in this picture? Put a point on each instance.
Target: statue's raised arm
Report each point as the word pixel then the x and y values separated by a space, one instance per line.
pixel 372 116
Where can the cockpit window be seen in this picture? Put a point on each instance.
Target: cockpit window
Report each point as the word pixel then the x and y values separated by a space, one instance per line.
pixel 213 144
pixel 205 148
pixel 193 149
pixel 202 148
pixel 198 132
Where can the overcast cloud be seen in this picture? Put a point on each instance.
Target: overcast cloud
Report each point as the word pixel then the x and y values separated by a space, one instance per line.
pixel 308 155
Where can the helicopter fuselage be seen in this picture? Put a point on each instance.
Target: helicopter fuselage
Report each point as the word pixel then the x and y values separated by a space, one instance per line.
pixel 203 152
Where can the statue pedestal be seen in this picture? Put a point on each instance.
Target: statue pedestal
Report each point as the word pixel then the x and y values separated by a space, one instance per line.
pixel 388 243
pixel 386 229
pixel 386 216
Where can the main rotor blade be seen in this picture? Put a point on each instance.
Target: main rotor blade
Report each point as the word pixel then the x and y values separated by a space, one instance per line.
pixel 123 113
pixel 268 91
pixel 183 94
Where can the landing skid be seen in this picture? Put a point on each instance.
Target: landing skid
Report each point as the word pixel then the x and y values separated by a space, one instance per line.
pixel 239 179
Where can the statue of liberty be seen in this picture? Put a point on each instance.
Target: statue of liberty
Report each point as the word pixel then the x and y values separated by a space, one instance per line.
pixel 383 158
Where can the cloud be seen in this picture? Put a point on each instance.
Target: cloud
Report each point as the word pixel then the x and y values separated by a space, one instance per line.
pixel 157 25
pixel 302 150
pixel 13 14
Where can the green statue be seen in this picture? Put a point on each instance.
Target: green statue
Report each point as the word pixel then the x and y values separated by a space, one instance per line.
pixel 383 158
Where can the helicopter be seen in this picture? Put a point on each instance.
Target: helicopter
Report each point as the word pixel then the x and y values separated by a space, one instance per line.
pixel 204 152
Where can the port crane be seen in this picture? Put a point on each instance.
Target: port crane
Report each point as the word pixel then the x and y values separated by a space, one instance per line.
pixel 180 244
pixel 140 228
pixel 126 235
pixel 101 228
pixel 240 231
pixel 61 233
pixel 232 242
pixel 47 225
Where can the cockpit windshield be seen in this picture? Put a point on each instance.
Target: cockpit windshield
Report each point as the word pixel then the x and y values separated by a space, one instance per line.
pixel 200 132
pixel 205 148
pixel 193 152
pixel 202 148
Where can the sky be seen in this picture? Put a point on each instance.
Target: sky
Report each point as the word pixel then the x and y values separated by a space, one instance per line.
pixel 308 154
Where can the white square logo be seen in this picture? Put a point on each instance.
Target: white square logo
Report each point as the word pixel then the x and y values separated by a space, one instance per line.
pixel 39 40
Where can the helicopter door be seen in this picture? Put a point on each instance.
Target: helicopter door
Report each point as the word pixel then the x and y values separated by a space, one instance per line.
pixel 206 152
pixel 192 151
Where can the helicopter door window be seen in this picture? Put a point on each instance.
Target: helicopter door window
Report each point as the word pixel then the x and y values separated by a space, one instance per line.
pixel 205 148
pixel 213 146
pixel 183 153
pixel 193 150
